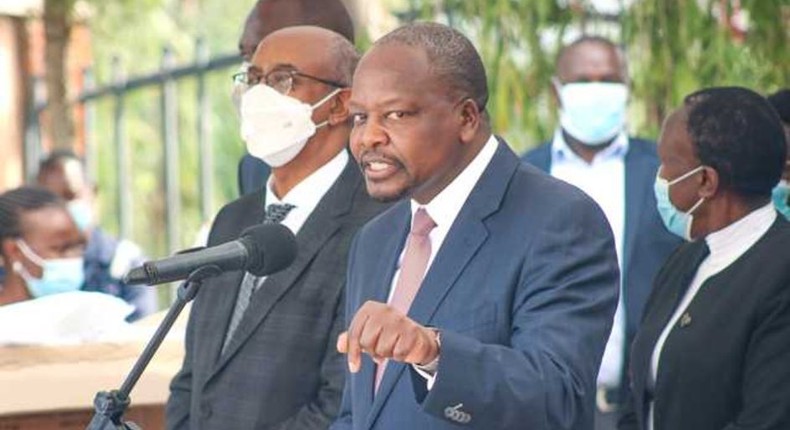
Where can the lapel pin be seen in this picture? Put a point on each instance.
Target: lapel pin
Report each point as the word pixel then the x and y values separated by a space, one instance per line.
pixel 685 320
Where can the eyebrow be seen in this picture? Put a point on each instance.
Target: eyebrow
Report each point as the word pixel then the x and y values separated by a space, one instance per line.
pixel 280 66
pixel 381 104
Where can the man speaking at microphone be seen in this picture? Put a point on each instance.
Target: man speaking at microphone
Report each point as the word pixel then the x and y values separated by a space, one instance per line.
pixel 485 299
pixel 260 352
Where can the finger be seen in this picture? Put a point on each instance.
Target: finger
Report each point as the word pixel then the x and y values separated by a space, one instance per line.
pixel 405 347
pixel 387 340
pixel 370 336
pixel 342 343
pixel 354 331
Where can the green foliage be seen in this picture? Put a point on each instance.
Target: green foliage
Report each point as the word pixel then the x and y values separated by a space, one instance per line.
pixel 678 46
pixel 673 46
pixel 136 32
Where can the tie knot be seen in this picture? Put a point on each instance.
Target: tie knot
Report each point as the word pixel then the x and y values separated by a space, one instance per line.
pixel 276 213
pixel 422 224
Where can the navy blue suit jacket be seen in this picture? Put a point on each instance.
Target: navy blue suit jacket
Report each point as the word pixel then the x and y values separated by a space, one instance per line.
pixel 646 242
pixel 252 174
pixel 523 290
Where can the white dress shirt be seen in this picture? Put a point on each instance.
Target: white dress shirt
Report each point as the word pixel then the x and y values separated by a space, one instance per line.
pixel 726 246
pixel 307 193
pixel 444 209
pixel 604 181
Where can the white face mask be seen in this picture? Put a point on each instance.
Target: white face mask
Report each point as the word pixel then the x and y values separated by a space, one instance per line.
pixel 276 127
pixel 593 112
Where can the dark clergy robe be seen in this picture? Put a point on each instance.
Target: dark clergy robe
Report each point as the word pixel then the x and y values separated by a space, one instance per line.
pixel 726 363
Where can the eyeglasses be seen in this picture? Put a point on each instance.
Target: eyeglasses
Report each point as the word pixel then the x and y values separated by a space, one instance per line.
pixel 281 80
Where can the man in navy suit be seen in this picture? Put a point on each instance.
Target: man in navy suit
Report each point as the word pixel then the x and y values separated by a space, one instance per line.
pixel 592 151
pixel 483 299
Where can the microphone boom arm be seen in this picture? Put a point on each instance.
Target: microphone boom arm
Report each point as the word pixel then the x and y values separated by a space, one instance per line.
pixel 109 406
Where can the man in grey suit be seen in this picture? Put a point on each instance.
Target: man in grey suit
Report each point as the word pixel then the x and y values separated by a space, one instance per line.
pixel 260 351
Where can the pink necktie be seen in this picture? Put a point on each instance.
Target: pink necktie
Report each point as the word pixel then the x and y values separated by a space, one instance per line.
pixel 412 270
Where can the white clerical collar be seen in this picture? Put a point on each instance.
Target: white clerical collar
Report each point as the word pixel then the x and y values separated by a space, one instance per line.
pixel 445 206
pixel 561 150
pixel 738 237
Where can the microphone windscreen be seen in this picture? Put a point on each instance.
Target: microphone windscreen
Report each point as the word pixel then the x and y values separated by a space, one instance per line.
pixel 272 247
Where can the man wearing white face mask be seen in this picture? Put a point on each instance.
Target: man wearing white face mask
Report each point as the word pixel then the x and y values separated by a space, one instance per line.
pixel 260 351
pixel 591 150
pixel 264 18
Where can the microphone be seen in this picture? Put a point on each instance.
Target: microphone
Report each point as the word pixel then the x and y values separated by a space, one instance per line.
pixel 261 250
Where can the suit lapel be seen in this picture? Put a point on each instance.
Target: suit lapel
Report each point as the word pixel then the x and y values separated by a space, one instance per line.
pixel 221 294
pixel 638 178
pixel 321 225
pixel 465 237
pixel 667 297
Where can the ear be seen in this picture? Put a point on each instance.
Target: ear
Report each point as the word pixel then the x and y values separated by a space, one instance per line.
pixel 10 250
pixel 471 118
pixel 338 111
pixel 710 182
pixel 556 84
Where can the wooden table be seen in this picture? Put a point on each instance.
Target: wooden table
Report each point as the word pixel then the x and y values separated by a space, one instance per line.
pixel 48 387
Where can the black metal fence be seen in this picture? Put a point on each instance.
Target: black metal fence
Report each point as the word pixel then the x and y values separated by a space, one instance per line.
pixel 166 79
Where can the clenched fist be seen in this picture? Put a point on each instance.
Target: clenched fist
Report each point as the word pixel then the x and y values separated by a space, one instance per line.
pixel 384 333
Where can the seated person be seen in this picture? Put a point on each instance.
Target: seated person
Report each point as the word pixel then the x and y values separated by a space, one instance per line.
pixel 41 246
pixel 107 259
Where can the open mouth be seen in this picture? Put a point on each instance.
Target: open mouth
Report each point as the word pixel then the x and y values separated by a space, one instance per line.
pixel 378 168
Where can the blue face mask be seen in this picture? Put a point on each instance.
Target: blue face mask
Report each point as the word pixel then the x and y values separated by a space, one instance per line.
pixel 59 275
pixel 593 112
pixel 81 213
pixel 676 221
pixel 780 195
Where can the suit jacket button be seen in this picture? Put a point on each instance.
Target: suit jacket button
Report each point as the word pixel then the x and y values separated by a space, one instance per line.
pixel 455 413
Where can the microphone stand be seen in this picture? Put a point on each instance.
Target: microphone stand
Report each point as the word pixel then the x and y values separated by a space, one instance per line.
pixel 109 406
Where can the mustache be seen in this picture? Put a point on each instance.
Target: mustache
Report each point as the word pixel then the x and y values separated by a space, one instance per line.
pixel 373 156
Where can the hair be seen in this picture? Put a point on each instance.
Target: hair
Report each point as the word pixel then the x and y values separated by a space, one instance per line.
pixel 736 132
pixel 15 203
pixel 57 158
pixel 329 14
pixel 453 58
pixel 780 100
pixel 566 50
pixel 346 58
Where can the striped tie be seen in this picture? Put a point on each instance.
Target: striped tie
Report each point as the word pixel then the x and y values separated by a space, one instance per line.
pixel 275 214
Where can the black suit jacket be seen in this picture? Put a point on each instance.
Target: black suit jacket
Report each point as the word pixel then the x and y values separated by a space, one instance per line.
pixel 726 366
pixel 281 369
pixel 646 242
pixel 252 174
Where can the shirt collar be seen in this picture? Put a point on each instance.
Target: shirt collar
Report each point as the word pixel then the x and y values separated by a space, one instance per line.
pixel 742 234
pixel 445 206
pixel 307 193
pixel 561 150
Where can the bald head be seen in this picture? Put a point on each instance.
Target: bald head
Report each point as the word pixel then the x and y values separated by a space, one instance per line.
pixel 591 59
pixel 268 16
pixel 308 49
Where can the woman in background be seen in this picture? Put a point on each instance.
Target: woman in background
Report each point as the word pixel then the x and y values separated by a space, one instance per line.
pixel 713 349
pixel 40 244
